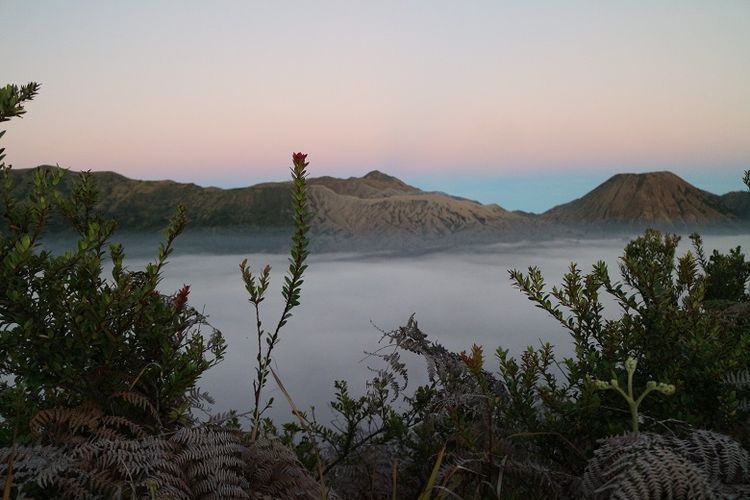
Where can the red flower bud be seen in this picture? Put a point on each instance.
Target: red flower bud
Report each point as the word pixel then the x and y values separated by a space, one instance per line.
pixel 299 158
pixel 181 297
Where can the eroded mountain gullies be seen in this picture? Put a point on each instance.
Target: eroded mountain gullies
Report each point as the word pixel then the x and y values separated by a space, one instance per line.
pixel 378 211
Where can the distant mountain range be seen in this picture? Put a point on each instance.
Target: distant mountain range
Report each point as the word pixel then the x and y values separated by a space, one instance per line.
pixel 380 211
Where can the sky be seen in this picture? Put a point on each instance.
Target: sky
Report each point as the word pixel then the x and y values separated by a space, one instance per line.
pixel 524 104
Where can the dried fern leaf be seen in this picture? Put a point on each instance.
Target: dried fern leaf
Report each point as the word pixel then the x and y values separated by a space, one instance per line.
pixel 705 464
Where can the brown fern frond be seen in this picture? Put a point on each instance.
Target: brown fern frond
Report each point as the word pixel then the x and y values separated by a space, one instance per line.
pixel 720 456
pixel 274 471
pixel 202 462
pixel 35 463
pixel 82 423
pixel 739 379
pixel 109 423
pixel 138 400
pixel 66 425
pixel 212 461
pixel 705 464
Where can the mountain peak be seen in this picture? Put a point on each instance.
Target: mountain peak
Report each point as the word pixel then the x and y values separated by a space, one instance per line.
pixel 375 184
pixel 651 198
pixel 661 176
pixel 655 174
pixel 377 175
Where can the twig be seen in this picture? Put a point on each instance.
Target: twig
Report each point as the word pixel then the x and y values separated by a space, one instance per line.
pixel 297 413
pixel 9 478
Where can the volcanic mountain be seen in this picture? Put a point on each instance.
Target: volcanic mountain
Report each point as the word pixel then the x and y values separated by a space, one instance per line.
pixel 378 206
pixel 378 211
pixel 655 199
pixel 374 211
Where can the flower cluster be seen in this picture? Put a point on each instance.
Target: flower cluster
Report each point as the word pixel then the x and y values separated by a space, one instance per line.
pixel 630 366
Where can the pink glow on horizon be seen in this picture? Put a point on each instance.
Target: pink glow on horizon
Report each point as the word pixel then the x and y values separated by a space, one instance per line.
pixel 227 93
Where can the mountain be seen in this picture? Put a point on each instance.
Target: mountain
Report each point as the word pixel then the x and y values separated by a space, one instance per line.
pixel 375 184
pixel 140 205
pixel 655 199
pixel 378 211
pixel 395 214
pixel 375 211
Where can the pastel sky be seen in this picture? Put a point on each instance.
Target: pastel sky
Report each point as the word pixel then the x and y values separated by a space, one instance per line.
pixel 525 104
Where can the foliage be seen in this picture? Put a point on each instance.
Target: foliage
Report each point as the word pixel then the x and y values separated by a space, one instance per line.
pixel 532 427
pixel 69 336
pixel 629 397
pixel 726 275
pixel 12 99
pixel 193 462
pixel 663 325
pixel 703 464
pixel 395 439
pixel 256 286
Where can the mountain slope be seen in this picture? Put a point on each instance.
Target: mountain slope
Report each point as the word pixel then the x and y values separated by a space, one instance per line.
pixel 376 209
pixel 417 213
pixel 738 202
pixel 140 205
pixel 380 211
pixel 660 199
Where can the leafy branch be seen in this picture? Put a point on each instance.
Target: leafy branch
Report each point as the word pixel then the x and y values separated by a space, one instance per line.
pixel 256 286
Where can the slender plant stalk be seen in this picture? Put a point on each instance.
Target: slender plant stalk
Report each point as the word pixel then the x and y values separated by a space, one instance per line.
pixel 629 397
pixel 290 291
pixel 431 482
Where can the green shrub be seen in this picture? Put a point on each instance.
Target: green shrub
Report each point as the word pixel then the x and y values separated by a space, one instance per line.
pixel 68 335
pixel 726 275
pixel 663 324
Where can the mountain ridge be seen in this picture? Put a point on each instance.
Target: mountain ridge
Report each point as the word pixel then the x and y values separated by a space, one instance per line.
pixel 380 211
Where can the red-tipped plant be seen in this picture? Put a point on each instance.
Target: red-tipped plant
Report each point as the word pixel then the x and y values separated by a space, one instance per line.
pixel 256 286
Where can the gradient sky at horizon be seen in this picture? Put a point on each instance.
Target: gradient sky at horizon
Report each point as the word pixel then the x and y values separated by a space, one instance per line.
pixel 525 104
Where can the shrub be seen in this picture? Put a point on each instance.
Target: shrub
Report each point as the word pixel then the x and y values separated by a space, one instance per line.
pixel 99 374
pixel 68 335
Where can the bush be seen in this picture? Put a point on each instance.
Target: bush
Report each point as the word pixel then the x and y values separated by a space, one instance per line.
pixel 99 374
pixel 68 335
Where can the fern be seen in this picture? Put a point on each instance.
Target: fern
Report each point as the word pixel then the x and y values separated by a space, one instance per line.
pixel 740 380
pixel 705 464
pixel 80 424
pixel 196 462
pixel 273 470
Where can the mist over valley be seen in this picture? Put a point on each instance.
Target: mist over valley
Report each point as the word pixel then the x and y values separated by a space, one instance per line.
pixel 458 297
pixel 383 250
